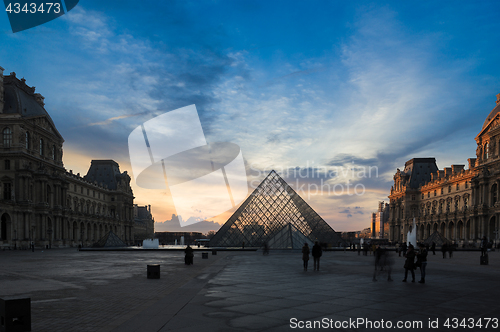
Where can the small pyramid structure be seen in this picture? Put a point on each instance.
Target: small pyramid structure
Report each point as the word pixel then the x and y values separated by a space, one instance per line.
pixel 110 239
pixel 437 238
pixel 275 214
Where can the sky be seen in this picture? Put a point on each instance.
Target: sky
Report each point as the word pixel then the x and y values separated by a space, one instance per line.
pixel 334 95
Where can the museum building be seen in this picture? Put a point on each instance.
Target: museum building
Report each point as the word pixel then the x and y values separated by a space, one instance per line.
pixel 40 201
pixel 461 204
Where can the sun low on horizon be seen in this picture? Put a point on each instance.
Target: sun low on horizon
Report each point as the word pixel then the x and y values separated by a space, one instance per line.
pixel 333 96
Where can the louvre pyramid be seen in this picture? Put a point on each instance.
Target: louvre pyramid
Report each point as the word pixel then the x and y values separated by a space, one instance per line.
pixel 110 239
pixel 274 214
pixel 437 238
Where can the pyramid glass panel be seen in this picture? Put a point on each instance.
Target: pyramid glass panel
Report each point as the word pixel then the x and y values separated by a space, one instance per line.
pixel 275 214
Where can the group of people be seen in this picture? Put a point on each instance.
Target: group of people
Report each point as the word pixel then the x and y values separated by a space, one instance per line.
pixel 316 253
pixel 411 264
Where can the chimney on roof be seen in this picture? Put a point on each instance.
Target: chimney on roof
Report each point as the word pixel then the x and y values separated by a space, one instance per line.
pixel 498 98
pixel 472 162
pixel 2 101
pixel 447 172
pixel 457 168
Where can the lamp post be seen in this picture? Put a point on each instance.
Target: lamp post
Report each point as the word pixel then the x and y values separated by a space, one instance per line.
pixel 15 239
pixel 32 238
pixel 49 233
pixel 81 235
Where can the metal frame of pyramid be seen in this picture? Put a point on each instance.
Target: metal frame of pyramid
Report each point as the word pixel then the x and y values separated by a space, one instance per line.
pixel 109 239
pixel 274 214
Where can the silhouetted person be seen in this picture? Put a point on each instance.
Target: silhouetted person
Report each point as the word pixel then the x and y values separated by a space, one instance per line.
pixel 422 262
pixel 188 259
pixel 484 246
pixel 365 249
pixel 404 248
pixel 410 263
pixel 450 250
pixel 243 245
pixel 32 246
pixel 266 249
pixel 305 255
pixel 359 248
pixel 378 263
pixel 383 262
pixel 444 248
pixel 433 248
pixel 316 253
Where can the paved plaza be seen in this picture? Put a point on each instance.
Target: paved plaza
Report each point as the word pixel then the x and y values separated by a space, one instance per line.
pixel 246 291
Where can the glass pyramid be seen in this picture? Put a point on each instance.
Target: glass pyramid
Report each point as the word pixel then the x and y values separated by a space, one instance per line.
pixel 275 214
pixel 110 239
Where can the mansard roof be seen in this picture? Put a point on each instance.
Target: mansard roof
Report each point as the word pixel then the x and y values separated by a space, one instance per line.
pixel 492 114
pixel 419 170
pixel 106 172
pixel 21 99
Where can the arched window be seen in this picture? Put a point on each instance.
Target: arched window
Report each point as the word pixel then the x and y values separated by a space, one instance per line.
pixel 27 140
pixel 41 147
pixel 7 137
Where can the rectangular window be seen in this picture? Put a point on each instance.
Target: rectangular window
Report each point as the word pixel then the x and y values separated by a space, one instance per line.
pixel 87 192
pixel 7 165
pixel 93 193
pixel 458 186
pixel 442 191
pixel 7 191
pixel 449 189
pixel 74 187
pixel 7 138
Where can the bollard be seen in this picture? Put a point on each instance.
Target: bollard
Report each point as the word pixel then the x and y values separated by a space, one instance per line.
pixel 204 255
pixel 15 314
pixel 154 271
pixel 214 252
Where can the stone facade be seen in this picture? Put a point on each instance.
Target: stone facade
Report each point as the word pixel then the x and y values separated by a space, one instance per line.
pixel 462 204
pixel 379 222
pixel 144 223
pixel 40 201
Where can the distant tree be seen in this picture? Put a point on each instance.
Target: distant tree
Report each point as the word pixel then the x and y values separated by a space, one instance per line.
pixel 210 234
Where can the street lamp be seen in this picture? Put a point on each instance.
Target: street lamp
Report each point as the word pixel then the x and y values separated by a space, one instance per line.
pixel 496 237
pixel 81 235
pixel 32 238
pixel 49 233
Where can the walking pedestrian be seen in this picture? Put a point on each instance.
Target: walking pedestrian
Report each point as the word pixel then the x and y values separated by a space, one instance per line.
pixel 484 246
pixel 305 255
pixel 404 248
pixel 410 263
pixel 316 253
pixel 444 248
pixel 188 258
pixel 422 262
pixel 433 248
